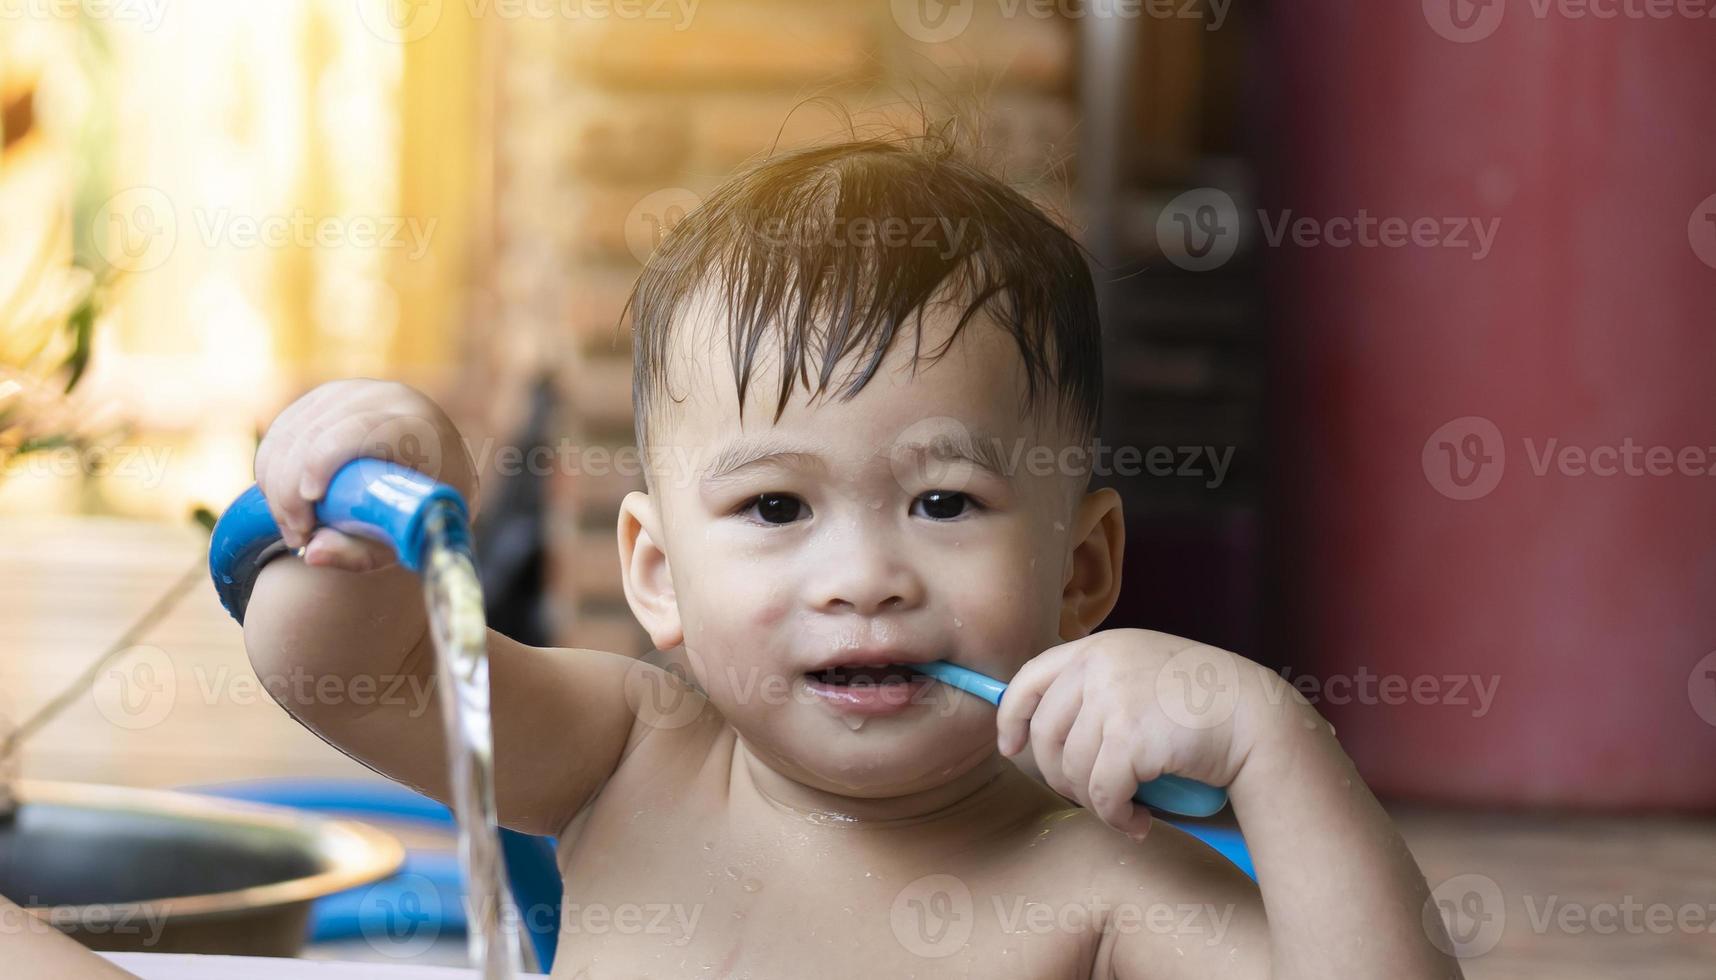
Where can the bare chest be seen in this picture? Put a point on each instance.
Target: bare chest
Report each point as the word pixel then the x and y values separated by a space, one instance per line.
pixel 661 895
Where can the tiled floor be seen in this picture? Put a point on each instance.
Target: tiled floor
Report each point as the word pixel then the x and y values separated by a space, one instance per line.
pixel 1534 896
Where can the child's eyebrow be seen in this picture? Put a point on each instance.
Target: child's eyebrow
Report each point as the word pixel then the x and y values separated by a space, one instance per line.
pixel 980 451
pixel 984 453
pixel 736 456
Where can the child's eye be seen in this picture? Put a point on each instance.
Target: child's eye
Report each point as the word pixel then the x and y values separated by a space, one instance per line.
pixel 943 505
pixel 776 508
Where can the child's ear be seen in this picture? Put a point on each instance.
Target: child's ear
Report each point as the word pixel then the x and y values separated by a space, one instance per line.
pixel 1093 567
pixel 644 572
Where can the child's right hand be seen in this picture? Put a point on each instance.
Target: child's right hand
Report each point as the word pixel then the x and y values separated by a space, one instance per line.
pixel 336 423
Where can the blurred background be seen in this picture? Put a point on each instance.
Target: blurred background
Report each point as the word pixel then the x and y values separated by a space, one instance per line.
pixel 1408 316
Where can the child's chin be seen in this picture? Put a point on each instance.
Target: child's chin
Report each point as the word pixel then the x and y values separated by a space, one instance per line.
pixel 880 784
pixel 878 767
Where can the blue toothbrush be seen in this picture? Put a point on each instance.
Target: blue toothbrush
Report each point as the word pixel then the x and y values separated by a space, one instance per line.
pixel 1174 794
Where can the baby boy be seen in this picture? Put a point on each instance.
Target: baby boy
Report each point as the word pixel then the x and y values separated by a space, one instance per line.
pixel 852 364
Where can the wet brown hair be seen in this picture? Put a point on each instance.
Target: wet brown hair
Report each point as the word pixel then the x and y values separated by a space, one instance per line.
pixel 828 253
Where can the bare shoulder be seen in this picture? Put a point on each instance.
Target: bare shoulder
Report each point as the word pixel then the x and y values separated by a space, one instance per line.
pixel 673 745
pixel 1167 906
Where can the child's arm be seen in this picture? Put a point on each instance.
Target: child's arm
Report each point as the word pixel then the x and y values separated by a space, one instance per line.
pixel 346 650
pixel 1342 894
pixel 38 951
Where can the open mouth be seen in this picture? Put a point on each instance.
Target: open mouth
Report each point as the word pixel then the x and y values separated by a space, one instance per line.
pixel 854 676
pixel 857 691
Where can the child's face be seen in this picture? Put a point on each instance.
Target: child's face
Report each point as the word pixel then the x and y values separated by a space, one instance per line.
pixel 862 533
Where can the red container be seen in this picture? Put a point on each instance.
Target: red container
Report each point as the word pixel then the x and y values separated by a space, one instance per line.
pixel 1427 549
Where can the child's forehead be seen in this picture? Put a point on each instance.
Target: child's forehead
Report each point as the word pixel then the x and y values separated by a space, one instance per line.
pixel 975 377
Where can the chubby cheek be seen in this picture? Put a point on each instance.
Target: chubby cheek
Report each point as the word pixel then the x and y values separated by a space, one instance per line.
pixel 1004 603
pixel 735 633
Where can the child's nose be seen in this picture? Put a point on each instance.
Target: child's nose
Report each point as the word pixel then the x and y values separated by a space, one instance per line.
pixel 866 577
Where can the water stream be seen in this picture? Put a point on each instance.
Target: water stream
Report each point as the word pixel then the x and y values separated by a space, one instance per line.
pixel 455 601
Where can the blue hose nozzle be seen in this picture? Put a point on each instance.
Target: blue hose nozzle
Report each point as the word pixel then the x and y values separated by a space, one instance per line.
pixel 369 497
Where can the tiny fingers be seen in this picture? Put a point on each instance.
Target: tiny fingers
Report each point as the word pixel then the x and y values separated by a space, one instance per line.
pixel 295 516
pixel 1050 723
pixel 1113 781
pixel 1025 692
pixel 329 548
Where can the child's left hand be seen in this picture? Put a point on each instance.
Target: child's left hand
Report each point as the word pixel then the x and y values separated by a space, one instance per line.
pixel 1121 707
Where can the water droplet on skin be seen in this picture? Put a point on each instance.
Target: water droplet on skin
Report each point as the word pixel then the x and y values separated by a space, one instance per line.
pixel 752 885
pixel 1059 526
pixel 733 872
pixel 958 624
pixel 1310 724
pixel 854 722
